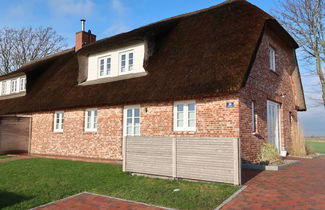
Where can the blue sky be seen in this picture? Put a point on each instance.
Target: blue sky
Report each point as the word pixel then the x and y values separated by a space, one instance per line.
pixel 109 17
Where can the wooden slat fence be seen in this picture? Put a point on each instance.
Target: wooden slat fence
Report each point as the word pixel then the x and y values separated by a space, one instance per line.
pixel 14 134
pixel 206 159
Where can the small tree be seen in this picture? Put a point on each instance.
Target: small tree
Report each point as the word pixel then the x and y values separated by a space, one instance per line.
pixel 304 20
pixel 19 46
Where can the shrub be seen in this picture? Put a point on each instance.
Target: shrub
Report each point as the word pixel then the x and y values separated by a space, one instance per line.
pixel 269 155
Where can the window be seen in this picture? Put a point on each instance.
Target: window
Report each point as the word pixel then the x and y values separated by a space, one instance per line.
pixel 185 116
pixel 104 66
pixel 253 117
pixel 127 61
pixel 22 84
pixel 272 56
pixel 58 121
pixel 132 121
pixel 91 120
pixel 4 87
pixel 14 88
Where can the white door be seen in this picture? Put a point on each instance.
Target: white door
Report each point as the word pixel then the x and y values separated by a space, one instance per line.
pixel 273 123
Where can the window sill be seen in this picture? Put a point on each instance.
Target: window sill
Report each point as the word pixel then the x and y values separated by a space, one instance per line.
pixel 114 78
pixel 58 132
pixel 90 131
pixel 13 95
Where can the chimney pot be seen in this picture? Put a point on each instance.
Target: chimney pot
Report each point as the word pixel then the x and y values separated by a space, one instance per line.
pixel 83 21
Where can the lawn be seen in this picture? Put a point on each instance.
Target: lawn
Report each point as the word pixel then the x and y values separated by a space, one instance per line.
pixel 6 156
pixel 29 183
pixel 316 144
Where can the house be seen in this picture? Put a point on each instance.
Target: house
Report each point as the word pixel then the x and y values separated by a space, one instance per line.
pixel 225 71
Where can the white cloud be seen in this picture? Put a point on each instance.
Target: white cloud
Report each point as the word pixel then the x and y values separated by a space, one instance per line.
pixel 72 7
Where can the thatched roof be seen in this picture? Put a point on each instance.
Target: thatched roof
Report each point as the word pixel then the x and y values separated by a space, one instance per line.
pixel 201 53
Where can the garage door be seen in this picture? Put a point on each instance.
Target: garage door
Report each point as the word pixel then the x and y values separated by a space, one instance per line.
pixel 14 134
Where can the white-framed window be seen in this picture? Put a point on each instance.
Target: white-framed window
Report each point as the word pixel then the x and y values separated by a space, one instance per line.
pixel 131 121
pixel 185 116
pixel 105 65
pixel 91 120
pixel 126 61
pixel 14 86
pixel 58 121
pixel 253 117
pixel 22 84
pixel 4 88
pixel 272 58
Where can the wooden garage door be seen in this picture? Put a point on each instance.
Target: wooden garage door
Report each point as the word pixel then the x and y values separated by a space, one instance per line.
pixel 14 134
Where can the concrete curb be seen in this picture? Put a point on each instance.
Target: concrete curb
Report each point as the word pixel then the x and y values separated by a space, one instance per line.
pixel 270 168
pixel 231 197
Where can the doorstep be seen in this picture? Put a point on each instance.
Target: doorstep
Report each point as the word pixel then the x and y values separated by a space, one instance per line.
pixel 269 168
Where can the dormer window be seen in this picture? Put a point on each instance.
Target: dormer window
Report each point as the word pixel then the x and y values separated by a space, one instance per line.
pixel 116 64
pixel 14 87
pixel 126 62
pixel 4 88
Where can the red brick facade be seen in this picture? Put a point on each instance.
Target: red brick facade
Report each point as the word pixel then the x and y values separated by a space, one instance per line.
pixel 263 84
pixel 213 118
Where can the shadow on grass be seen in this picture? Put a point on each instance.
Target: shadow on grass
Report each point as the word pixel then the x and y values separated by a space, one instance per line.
pixel 8 199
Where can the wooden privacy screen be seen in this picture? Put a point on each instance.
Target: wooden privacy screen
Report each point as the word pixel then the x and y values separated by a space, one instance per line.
pixel 206 159
pixel 14 134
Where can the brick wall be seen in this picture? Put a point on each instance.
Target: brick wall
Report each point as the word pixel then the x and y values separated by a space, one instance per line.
pixel 213 119
pixel 264 84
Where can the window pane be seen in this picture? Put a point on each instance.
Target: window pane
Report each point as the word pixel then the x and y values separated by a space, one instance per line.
pixel 136 121
pixel 137 112
pixel 108 66
pixel 130 61
pixel 180 123
pixel 180 115
pixel 191 115
pixel 129 113
pixel 180 107
pixel 129 131
pixel 137 131
pixel 191 107
pixel 129 121
pixel 191 123
pixel 101 67
pixel 123 62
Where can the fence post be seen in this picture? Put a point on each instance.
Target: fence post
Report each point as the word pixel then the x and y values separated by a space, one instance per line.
pixel 174 156
pixel 237 162
pixel 124 153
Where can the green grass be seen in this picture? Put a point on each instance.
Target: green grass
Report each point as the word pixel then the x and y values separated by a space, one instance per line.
pixel 6 156
pixel 29 183
pixel 318 147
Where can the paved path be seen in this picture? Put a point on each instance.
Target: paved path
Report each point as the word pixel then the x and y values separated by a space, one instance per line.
pixel 89 201
pixel 300 186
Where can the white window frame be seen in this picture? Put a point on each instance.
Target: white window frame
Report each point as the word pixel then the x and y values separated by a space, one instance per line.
pixel 254 127
pixel 125 117
pixel 185 116
pixel 106 72
pixel 127 62
pixel 14 86
pixel 93 120
pixel 58 115
pixel 4 87
pixel 272 58
pixel 22 84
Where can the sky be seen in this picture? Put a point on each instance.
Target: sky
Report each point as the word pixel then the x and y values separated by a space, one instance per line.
pixel 109 17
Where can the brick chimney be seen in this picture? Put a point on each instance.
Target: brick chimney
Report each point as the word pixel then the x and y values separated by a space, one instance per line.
pixel 84 38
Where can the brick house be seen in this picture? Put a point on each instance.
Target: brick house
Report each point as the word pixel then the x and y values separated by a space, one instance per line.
pixel 225 71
